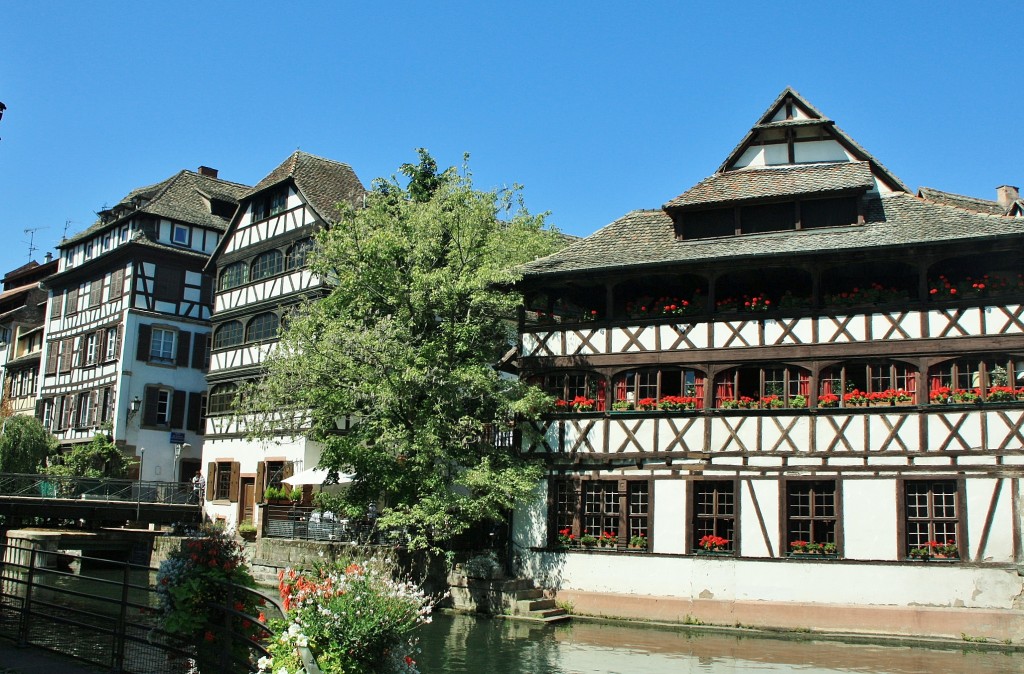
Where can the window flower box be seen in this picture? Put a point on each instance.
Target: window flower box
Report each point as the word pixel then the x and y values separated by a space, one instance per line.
pixel 608 539
pixel 678 403
pixel 713 546
pixel 934 550
pixel 647 404
pixel 566 539
pixel 638 543
pixel 812 550
pixel 588 541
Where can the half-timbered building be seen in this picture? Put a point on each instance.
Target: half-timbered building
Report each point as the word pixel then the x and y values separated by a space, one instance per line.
pixel 261 272
pixel 128 326
pixel 22 313
pixel 796 385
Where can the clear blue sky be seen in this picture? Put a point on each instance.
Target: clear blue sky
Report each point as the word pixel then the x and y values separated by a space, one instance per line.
pixel 597 108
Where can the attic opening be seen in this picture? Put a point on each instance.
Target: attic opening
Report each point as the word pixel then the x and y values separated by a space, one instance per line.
pixel 761 217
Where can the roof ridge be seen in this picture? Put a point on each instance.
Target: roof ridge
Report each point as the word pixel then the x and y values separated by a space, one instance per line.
pixel 939 204
pixel 326 159
pixel 958 195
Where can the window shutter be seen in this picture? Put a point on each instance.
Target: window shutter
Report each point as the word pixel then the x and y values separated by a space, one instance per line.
pixel 206 290
pixel 116 284
pixel 184 339
pixel 117 341
pixel 93 407
pixel 233 488
pixel 199 349
pixel 40 409
pixel 261 476
pixel 72 303
pixel 194 400
pixel 56 304
pixel 66 347
pixel 96 293
pixel 52 354
pixel 211 480
pixel 145 333
pixel 149 406
pixel 287 470
pixel 178 410
pixel 80 358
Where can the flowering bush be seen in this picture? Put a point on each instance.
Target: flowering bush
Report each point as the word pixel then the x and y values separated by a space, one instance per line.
pixel 566 537
pixel 356 618
pixel 712 543
pixel 674 403
pixel 195 579
pixel 647 404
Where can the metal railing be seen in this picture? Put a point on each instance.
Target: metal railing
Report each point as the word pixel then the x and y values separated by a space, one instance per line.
pixel 309 523
pixel 111 617
pixel 101 489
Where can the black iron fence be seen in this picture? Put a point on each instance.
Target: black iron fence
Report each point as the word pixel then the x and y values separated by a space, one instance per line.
pixel 309 523
pixel 101 489
pixel 108 614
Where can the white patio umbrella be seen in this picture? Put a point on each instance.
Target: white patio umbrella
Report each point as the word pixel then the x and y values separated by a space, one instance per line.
pixel 316 476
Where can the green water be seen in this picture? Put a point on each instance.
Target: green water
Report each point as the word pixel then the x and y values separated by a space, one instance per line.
pixel 455 644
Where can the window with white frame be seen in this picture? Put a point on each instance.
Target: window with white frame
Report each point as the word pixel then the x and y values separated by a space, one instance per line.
pixel 161 345
pixel 111 344
pixel 85 410
pixel 180 235
pixel 90 348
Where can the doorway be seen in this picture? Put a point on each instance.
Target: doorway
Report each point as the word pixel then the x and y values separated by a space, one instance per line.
pixel 247 502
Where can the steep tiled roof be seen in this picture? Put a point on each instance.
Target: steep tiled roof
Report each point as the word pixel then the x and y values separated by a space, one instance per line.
pixel 960 201
pixel 180 198
pixel 323 182
pixel 755 183
pixel 646 238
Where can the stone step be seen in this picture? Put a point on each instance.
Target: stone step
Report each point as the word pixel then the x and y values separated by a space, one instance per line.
pixel 548 613
pixel 555 615
pixel 535 593
pixel 531 605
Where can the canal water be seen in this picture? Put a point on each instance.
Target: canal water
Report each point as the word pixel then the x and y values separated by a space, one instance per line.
pixel 457 644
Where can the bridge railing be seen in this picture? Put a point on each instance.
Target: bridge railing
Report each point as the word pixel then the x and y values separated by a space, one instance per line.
pixel 89 488
pixel 110 614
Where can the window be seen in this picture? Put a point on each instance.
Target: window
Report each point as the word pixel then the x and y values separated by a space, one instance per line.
pixel 110 342
pixel 996 378
pixel 714 511
pixel 262 326
pixel 766 388
pixel 106 401
pixel 170 284
pixel 180 235
pixel 157 410
pixel 267 264
pixel 278 201
pixel 90 349
pixel 222 487
pixel 932 514
pixel 567 386
pixel 270 204
pixel 854 384
pixel 811 512
pixel 635 385
pixel 85 410
pixel 66 406
pixel 228 334
pixel 595 507
pixel 234 275
pixel 298 254
pixel 161 345
pixel 222 396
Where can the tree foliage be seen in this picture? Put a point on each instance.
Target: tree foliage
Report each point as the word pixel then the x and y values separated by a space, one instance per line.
pixel 24 445
pixel 98 458
pixel 406 343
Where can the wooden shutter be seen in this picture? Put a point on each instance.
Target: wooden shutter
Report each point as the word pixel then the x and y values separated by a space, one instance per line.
pixel 56 304
pixel 117 341
pixel 94 399
pixel 145 334
pixel 52 355
pixel 287 470
pixel 96 293
pixel 40 409
pixel 199 349
pixel 66 346
pixel 206 290
pixel 116 284
pixel 211 480
pixel 184 339
pixel 71 306
pixel 194 401
pixel 178 409
pixel 233 489
pixel 261 477
pixel 152 398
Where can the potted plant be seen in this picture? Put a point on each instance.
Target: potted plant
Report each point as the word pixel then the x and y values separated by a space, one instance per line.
pixel 747 403
pixel 855 398
pixel 676 403
pixel 588 541
pixel 713 544
pixel 947 550
pixel 622 406
pixel 966 396
pixel 828 400
pixel 608 539
pixel 798 401
pixel 829 548
pixel 798 547
pixel 566 537
pixel 582 404
pixel 729 404
pixel 647 404
pixel 902 398
pixel 638 542
pixel 247 530
pixel 1000 394
pixel 295 495
pixel 772 402
pixel 941 395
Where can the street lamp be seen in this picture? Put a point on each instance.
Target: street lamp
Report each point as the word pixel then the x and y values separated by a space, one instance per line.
pixel 178 446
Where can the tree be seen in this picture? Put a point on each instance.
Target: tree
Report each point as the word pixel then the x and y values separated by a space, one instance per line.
pixel 406 343
pixel 24 444
pixel 98 458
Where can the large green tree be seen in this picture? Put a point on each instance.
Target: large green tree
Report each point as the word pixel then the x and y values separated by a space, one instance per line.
pixel 406 343
pixel 24 444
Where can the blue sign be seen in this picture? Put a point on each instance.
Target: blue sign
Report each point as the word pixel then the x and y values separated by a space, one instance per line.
pixel 177 438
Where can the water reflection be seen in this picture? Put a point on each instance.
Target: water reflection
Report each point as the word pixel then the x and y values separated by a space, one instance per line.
pixel 462 644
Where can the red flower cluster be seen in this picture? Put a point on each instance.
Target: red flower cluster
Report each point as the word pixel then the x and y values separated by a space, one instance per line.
pixel 710 542
pixel 758 302
pixel 679 403
pixel 828 400
pixel 988 284
pixel 665 306
pixel 873 293
pixel 647 404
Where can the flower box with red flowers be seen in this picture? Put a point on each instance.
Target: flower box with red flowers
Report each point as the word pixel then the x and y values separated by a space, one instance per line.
pixel 677 403
pixel 608 539
pixel 713 545
pixel 936 550
pixel 566 538
pixel 812 550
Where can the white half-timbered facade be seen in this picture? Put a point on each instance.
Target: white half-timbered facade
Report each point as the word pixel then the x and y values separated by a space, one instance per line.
pixel 128 326
pixel 797 382
pixel 22 312
pixel 261 272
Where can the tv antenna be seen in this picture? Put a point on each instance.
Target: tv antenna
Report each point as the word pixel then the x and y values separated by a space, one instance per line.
pixel 31 231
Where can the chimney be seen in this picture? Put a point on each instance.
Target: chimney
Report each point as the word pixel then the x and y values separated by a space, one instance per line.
pixel 1006 195
pixel 207 171
pixel 48 258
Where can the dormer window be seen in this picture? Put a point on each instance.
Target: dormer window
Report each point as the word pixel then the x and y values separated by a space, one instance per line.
pixel 270 204
pixel 758 218
pixel 180 234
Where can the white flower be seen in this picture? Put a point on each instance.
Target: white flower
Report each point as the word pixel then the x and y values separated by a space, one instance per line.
pixel 265 663
pixel 283 670
pixel 294 629
pixel 301 641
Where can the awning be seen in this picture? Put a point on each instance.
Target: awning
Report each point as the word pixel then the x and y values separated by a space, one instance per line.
pixel 315 476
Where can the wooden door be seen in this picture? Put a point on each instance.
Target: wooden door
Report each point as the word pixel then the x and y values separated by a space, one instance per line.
pixel 246 504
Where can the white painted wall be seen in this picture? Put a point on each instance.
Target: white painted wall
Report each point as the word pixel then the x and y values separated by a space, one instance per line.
pixel 759 496
pixel 869 519
pixel 669 533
